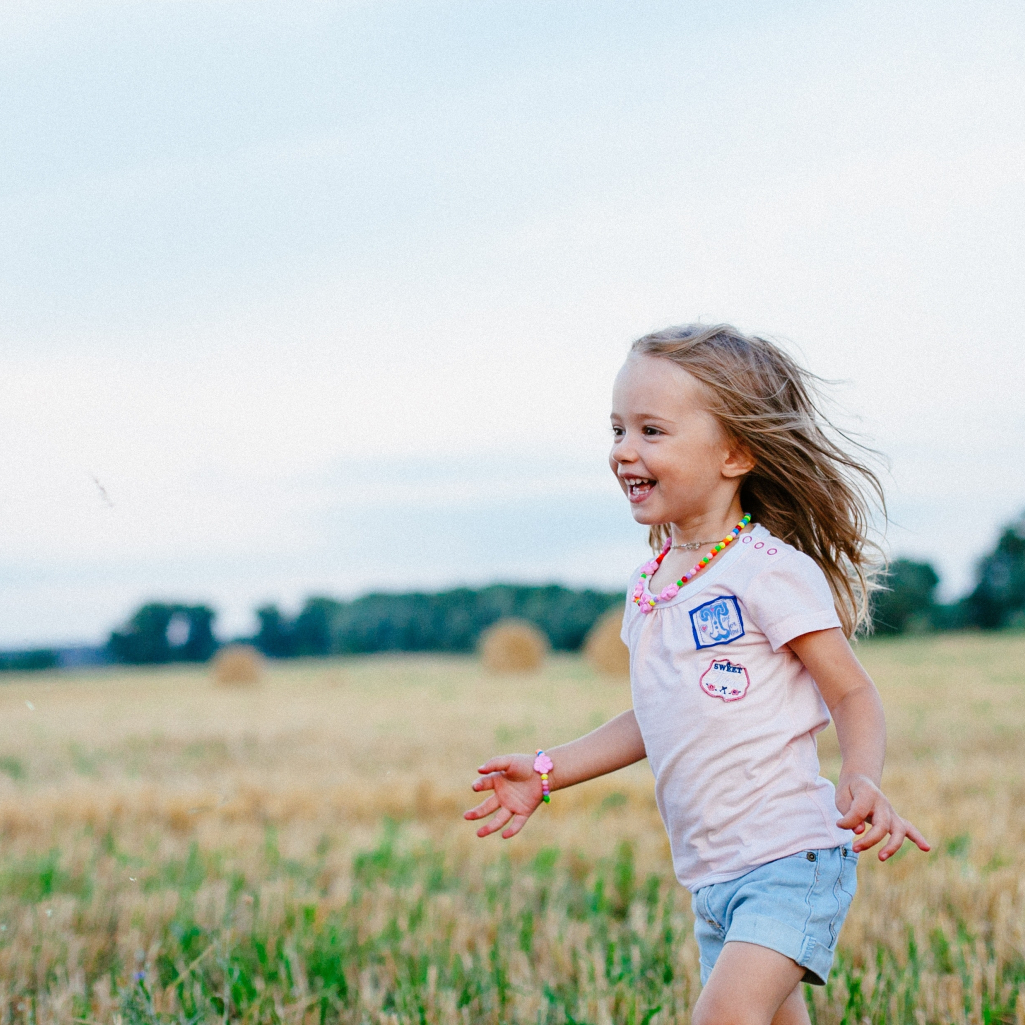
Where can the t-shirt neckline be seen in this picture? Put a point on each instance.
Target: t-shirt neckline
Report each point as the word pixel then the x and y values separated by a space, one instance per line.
pixel 721 563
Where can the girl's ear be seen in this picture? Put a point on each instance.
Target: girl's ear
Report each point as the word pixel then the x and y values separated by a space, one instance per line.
pixel 738 461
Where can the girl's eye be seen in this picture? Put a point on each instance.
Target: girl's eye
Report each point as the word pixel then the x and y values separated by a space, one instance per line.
pixel 617 432
pixel 651 430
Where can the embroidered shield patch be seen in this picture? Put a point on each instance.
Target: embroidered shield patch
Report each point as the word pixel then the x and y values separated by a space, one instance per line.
pixel 717 622
pixel 725 679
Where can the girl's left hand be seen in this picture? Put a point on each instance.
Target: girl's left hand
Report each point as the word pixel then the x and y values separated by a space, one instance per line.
pixel 863 804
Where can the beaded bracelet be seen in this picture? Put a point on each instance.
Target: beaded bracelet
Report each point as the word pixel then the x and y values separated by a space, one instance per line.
pixel 543 764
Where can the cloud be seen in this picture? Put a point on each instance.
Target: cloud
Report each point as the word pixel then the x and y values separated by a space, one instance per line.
pixel 278 277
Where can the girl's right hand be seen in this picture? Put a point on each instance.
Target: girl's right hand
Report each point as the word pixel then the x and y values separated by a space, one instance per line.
pixel 517 792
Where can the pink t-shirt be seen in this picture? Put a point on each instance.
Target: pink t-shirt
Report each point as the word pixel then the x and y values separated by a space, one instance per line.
pixel 729 714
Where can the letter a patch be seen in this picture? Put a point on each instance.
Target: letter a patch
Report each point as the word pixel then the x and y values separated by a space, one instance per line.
pixel 717 622
pixel 725 679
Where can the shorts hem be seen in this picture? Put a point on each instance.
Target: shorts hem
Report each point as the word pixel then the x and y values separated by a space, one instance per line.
pixel 812 956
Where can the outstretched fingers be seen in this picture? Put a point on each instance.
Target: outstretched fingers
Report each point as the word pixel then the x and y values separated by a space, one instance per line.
pixel 901 830
pixel 513 783
pixel 486 807
pixel 486 782
pixel 898 830
pixel 872 818
pixel 502 816
pixel 880 827
pixel 915 835
pixel 517 823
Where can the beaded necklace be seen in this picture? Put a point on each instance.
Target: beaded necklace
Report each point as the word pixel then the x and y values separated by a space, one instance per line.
pixel 646 601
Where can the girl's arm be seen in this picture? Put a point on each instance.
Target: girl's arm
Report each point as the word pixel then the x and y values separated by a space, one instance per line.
pixel 857 711
pixel 517 787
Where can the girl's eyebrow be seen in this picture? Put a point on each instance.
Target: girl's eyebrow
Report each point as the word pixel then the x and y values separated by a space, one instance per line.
pixel 645 416
pixel 642 416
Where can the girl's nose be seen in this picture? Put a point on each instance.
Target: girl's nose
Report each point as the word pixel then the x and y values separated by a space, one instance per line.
pixel 622 452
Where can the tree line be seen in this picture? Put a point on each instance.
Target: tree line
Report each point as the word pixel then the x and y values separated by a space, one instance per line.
pixel 445 621
pixel 452 620
pixel 997 601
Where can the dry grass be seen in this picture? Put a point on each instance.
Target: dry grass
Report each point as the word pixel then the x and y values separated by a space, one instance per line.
pixel 513 646
pixel 149 820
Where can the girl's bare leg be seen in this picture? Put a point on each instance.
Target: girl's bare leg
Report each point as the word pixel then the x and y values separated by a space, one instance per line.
pixel 752 985
pixel 793 1010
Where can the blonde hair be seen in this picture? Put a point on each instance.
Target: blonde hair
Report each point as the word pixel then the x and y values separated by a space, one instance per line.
pixel 805 487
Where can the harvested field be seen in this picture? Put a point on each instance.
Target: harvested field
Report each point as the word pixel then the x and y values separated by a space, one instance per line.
pixel 177 851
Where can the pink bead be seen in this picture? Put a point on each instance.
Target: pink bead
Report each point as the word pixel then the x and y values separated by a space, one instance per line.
pixel 669 593
pixel 646 608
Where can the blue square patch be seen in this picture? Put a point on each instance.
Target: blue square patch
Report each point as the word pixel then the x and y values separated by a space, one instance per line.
pixel 717 622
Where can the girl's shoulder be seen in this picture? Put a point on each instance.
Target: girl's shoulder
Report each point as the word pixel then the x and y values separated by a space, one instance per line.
pixel 777 551
pixel 785 590
pixel 770 560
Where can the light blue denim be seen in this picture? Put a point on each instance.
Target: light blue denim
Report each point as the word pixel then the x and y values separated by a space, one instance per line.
pixel 795 905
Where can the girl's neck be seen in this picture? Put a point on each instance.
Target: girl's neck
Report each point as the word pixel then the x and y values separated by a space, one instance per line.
pixel 712 525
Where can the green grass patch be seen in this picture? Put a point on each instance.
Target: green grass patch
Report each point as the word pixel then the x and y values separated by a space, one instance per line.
pixel 399 947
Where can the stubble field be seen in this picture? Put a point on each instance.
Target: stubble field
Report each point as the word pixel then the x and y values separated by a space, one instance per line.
pixel 175 852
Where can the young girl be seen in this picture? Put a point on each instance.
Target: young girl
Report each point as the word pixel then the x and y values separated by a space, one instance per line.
pixel 738 656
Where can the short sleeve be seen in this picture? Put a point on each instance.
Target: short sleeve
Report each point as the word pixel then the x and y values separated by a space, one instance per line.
pixel 790 597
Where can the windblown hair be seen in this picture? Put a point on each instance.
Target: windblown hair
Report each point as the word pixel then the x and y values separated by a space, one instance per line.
pixel 806 487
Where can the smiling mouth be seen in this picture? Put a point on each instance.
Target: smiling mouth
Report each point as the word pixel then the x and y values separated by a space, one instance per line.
pixel 638 488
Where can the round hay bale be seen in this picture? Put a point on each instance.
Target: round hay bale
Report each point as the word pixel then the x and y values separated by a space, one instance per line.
pixel 513 646
pixel 237 665
pixel 604 650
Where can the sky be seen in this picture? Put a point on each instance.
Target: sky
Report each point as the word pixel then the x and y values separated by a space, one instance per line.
pixel 322 298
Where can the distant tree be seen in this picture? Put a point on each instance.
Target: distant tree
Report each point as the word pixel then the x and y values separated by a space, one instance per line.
pixel 313 629
pixel 200 642
pixel 956 616
pixel 445 621
pixel 28 661
pixel 159 632
pixel 906 600
pixel 454 620
pixel 999 595
pixel 274 638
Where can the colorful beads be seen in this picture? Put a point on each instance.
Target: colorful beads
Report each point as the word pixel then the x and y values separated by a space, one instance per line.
pixel 543 764
pixel 646 603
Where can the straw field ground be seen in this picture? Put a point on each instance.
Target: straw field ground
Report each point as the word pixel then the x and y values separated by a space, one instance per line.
pixel 172 851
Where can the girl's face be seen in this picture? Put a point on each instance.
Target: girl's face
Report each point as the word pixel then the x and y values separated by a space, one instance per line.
pixel 672 459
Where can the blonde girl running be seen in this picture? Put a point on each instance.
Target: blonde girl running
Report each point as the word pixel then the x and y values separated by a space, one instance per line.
pixel 738 634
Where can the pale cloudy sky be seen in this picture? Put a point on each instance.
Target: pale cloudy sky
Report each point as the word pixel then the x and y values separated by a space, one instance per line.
pixel 329 296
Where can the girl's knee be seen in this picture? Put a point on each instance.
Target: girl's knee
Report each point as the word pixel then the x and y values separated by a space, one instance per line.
pixel 720 1013
pixel 724 1006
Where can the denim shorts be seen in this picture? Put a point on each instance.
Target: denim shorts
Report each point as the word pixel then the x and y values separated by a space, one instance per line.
pixel 795 905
